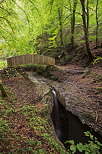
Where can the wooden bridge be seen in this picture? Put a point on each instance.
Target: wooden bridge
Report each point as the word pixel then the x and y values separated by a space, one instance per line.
pixel 30 59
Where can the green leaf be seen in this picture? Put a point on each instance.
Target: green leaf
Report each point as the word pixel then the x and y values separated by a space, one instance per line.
pixel 87 133
pixel 73 148
pixel 86 152
pixel 98 143
pixel 71 141
pixel 80 147
pixel 91 136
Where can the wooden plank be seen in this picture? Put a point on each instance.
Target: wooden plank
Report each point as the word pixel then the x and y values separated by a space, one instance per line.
pixel 30 59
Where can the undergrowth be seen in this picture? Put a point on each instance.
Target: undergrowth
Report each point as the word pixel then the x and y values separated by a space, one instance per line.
pixel 92 147
pixel 41 70
pixel 25 129
pixel 3 63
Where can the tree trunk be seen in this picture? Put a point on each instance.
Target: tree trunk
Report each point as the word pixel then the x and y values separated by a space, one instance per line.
pixel 88 17
pixel 4 94
pixel 73 23
pixel 60 24
pixel 86 29
pixel 60 14
pixel 97 24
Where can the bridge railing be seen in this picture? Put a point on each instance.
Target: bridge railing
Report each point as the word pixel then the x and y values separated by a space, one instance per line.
pixel 30 59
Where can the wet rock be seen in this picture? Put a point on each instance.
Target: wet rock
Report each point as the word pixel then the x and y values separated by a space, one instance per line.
pixel 75 99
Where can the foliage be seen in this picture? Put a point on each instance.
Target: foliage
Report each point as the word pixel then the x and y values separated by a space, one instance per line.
pixel 25 129
pixel 38 122
pixel 3 63
pixel 4 128
pixel 40 26
pixel 97 60
pixel 97 77
pixel 41 70
pixel 92 147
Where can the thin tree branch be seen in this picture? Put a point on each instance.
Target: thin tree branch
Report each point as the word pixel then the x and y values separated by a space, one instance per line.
pixel 22 10
pixel 67 17
pixel 67 8
pixel 5 30
pixel 1 1
pixel 5 39
pixel 9 23
pixel 33 5
pixel 51 4
pixel 5 10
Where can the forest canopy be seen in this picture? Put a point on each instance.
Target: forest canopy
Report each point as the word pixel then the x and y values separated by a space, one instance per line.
pixel 36 26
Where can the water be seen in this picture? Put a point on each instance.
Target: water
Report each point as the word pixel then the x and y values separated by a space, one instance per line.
pixel 57 116
pixel 69 126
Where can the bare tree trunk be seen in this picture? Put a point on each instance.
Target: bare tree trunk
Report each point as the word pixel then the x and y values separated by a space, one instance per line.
pixel 86 29
pixel 88 17
pixel 61 27
pixel 60 15
pixel 96 23
pixel 73 23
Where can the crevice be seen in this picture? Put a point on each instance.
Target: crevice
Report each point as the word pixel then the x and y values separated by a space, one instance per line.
pixel 71 128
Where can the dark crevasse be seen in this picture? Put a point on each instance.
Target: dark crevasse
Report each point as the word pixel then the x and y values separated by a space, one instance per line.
pixel 57 121
pixel 69 126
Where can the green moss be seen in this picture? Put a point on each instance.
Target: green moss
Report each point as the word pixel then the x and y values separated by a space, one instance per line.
pixel 42 70
pixel 10 73
pixel 98 88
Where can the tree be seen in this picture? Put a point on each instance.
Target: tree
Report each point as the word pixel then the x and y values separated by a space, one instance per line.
pixel 85 18
pixel 60 14
pixel 60 23
pixel 73 22
pixel 97 24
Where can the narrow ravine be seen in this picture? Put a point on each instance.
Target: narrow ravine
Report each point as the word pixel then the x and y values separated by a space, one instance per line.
pixel 68 126
pixel 57 117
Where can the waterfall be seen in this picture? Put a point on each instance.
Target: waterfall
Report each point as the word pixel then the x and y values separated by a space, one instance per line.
pixel 57 116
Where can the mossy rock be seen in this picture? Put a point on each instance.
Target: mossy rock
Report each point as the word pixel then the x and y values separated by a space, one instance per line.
pixel 10 72
pixel 42 70
pixel 22 72
pixel 99 88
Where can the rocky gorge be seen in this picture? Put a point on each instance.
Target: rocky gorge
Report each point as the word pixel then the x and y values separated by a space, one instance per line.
pixel 72 95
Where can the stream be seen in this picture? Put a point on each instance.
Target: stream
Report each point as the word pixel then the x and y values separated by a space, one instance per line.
pixel 57 117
